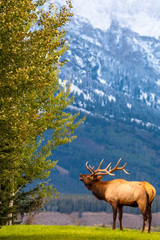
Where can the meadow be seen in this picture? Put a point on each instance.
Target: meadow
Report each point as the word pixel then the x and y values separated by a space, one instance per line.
pixel 41 232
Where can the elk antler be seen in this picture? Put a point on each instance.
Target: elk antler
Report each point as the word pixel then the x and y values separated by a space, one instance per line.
pixel 90 170
pixel 98 171
pixel 118 168
pixel 105 171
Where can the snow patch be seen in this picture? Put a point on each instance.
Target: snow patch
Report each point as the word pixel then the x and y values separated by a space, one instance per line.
pixel 129 105
pixel 91 59
pixel 137 121
pixel 99 92
pixel 111 98
pixel 91 40
pixel 102 80
pixel 75 89
pixel 148 104
pixel 87 96
pixel 147 124
pixel 153 96
pixel 158 82
pixel 81 110
pixel 143 95
pixel 79 60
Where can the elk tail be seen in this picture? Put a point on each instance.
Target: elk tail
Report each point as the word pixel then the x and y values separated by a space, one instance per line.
pixel 151 191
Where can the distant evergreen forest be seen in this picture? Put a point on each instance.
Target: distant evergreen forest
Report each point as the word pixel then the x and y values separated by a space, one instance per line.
pixel 98 139
pixel 69 203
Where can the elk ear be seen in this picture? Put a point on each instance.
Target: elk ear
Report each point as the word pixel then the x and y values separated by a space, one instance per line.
pixel 99 177
pixel 90 177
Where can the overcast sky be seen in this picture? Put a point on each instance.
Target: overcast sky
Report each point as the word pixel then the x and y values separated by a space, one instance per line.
pixel 142 16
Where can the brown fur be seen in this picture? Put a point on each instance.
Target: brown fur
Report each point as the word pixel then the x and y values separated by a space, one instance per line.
pixel 151 191
pixel 119 193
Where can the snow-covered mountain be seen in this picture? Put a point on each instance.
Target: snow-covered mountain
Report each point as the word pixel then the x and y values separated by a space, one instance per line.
pixel 114 73
pixel 114 70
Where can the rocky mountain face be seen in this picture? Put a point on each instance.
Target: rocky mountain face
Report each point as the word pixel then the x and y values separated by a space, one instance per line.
pixel 115 77
pixel 115 74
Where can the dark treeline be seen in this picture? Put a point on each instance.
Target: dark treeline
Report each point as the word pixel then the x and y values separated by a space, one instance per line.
pixel 88 203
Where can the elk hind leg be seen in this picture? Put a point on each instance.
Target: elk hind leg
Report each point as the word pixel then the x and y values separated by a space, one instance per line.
pixel 149 217
pixel 120 216
pixel 144 214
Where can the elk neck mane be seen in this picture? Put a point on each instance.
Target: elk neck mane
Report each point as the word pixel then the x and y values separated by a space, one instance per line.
pixel 100 187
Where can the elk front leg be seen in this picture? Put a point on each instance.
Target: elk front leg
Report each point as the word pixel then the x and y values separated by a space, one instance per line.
pixel 120 217
pixel 114 207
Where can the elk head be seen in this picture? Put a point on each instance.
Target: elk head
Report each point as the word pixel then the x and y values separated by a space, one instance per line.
pixel 96 175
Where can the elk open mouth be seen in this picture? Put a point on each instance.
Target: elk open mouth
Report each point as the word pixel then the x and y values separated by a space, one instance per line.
pixel 81 179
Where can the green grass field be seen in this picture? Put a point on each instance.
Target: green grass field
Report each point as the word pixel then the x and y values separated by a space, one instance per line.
pixel 40 232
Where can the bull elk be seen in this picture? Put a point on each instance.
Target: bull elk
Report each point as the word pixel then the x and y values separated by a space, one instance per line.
pixel 120 192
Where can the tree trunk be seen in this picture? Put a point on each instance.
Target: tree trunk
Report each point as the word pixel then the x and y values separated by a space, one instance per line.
pixel 10 214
